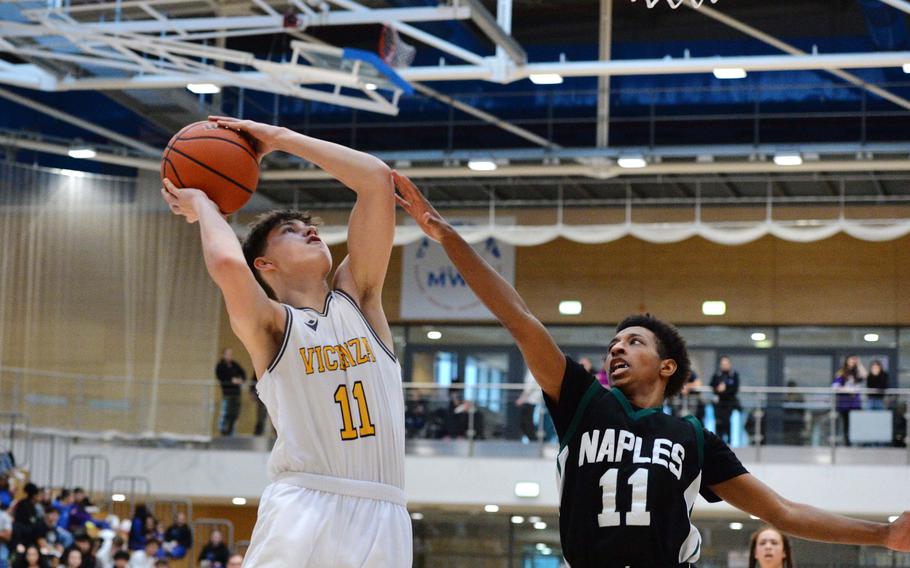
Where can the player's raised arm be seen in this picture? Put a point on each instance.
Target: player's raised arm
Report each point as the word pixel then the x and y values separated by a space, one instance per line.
pixel 257 320
pixel 543 357
pixel 749 494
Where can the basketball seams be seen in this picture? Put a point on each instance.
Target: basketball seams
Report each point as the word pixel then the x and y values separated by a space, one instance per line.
pixel 168 161
pixel 220 139
pixel 211 169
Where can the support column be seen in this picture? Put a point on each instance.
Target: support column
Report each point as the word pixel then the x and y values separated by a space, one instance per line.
pixel 603 83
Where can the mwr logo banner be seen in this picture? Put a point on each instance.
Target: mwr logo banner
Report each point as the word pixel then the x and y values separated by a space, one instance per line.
pixel 433 289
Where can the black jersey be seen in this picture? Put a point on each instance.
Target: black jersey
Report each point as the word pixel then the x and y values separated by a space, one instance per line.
pixel 628 477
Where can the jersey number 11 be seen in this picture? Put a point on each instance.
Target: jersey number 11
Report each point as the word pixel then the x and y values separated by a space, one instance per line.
pixel 366 424
pixel 639 515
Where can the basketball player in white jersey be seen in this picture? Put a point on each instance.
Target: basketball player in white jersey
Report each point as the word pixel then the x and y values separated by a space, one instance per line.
pixel 324 357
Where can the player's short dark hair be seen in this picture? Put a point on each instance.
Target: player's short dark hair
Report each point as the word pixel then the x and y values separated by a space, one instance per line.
pixel 670 345
pixel 121 555
pixel 255 241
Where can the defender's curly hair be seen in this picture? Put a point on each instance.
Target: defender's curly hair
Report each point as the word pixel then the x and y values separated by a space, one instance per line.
pixel 670 345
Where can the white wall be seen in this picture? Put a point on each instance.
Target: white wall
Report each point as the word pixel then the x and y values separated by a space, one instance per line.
pixel 860 489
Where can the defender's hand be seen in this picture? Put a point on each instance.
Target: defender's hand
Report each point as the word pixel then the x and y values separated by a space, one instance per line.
pixel 263 136
pixel 184 201
pixel 411 200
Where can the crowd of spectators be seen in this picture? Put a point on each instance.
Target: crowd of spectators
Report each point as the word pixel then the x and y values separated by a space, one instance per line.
pixel 37 531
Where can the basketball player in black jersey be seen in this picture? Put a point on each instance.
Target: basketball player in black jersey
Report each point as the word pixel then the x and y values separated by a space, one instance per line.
pixel 628 473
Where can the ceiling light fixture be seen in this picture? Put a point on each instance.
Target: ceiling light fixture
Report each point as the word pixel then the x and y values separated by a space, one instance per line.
pixel 570 307
pixel 434 335
pixel 482 165
pixel 714 308
pixel 545 78
pixel 632 162
pixel 870 337
pixel 82 152
pixel 203 88
pixel 788 160
pixel 730 73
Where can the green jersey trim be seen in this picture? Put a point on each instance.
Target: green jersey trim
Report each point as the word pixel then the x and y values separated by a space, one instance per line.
pixel 579 413
pixel 627 406
pixel 699 437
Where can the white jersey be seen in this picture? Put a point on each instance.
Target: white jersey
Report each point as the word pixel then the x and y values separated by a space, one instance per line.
pixel 334 394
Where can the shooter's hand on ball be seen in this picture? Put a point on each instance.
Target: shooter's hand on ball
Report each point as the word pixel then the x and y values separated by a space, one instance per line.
pixel 184 202
pixel 264 137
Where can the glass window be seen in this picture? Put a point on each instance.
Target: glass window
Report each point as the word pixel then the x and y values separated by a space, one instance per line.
pixel 459 335
pixel 726 336
pixel 859 337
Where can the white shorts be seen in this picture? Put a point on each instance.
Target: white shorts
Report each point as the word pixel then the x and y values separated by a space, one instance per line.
pixel 298 526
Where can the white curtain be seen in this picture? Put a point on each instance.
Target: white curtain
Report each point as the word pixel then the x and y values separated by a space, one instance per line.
pixel 109 320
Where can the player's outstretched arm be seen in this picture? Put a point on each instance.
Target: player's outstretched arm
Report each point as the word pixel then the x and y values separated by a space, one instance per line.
pixel 747 493
pixel 257 320
pixel 545 361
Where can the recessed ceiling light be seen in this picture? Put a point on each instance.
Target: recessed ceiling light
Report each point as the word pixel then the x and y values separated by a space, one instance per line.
pixel 730 73
pixel 870 337
pixel 632 162
pixel 714 308
pixel 371 86
pixel 434 334
pixel 788 160
pixel 482 165
pixel 118 497
pixel 527 489
pixel 82 153
pixel 540 525
pixel 545 78
pixel 238 501
pixel 570 307
pixel 203 88
pixel 417 516
pixel 736 526
pixel 758 336
pixel 517 519
pixel 491 508
pixel 906 67
pixel 540 546
pixel 533 519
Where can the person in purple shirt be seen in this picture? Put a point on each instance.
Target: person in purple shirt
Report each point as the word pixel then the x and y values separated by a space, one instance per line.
pixel 848 379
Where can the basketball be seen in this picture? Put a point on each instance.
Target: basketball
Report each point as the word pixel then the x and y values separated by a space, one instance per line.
pixel 220 162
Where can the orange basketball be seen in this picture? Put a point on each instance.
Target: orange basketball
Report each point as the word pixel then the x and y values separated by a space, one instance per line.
pixel 220 162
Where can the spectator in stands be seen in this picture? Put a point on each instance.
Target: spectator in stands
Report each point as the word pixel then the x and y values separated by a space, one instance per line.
pixel 79 514
pixel 769 548
pixel 849 378
pixel 146 557
pixel 26 522
pixel 691 398
pixel 235 561
pixel 52 540
pixel 796 423
pixel 725 383
pixel 121 559
pixel 85 545
pixel 415 418
pixel 603 376
pixel 72 558
pixel 107 554
pixel 6 492
pixel 230 376
pixel 178 538
pixel 6 535
pixel 63 503
pixel 215 553
pixel 528 401
pixel 138 528
pixel 877 379
pixel 30 557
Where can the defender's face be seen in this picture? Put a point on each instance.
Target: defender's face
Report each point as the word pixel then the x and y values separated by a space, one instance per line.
pixel 769 549
pixel 294 246
pixel 632 357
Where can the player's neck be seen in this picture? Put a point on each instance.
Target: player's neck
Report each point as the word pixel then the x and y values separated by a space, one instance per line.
pixel 304 294
pixel 648 397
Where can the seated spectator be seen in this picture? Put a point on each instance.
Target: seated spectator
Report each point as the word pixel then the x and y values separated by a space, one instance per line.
pixel 72 558
pixel 877 379
pixel 79 514
pixel 30 557
pixel 215 553
pixel 26 521
pixel 85 545
pixel 121 559
pixel 6 535
pixel 52 540
pixel 138 531
pixel 6 492
pixel 178 538
pixel 235 561
pixel 107 554
pixel 146 557
pixel 63 503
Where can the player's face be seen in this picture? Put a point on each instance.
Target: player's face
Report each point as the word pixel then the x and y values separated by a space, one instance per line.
pixel 293 245
pixel 632 357
pixel 769 549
